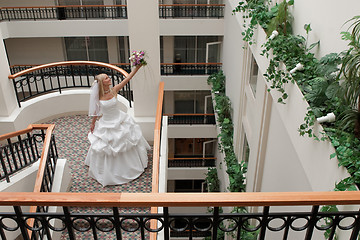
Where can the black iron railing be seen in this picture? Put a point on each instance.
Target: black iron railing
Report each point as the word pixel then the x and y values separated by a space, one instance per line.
pixel 111 221
pixel 191 162
pixel 71 12
pixel 63 12
pixel 18 153
pixel 190 68
pixel 195 118
pixel 191 11
pixel 60 77
pixel 166 68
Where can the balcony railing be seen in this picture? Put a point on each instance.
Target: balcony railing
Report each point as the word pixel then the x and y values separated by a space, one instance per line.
pixel 190 68
pixel 166 68
pixel 21 149
pixel 191 10
pixel 266 218
pixel 38 80
pixel 72 12
pixel 64 12
pixel 191 162
pixel 195 118
pixel 268 222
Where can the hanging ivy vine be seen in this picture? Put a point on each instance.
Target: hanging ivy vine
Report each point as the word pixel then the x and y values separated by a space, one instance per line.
pixel 319 81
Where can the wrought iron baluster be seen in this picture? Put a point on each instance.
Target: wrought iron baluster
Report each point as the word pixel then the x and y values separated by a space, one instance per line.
pixel 21 222
pixel 356 229
pixel 93 228
pixel 6 174
pixel 166 223
pixel 9 160
pixel 142 228
pixel 72 74
pixel 264 222
pixel 68 223
pixel 12 154
pixel 215 222
pixel 312 222
pixel 22 152
pixel 333 228
pixel 54 146
pixel 287 228
pixel 58 78
pixel 31 146
pixel 117 223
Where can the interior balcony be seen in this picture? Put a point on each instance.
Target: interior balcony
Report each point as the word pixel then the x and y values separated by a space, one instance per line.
pixel 143 209
pixel 58 21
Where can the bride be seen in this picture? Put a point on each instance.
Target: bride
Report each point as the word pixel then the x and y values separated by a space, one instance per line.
pixel 118 151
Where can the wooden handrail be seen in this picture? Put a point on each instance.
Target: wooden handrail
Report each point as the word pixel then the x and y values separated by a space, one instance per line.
pixel 19 65
pixel 191 5
pixel 156 153
pixel 157 132
pixel 93 63
pixel 24 131
pixel 188 114
pixel 180 199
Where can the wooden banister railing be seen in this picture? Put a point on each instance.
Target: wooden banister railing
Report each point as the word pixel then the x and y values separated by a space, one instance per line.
pixel 42 166
pixel 37 80
pixel 180 199
pixel 68 63
pixel 156 151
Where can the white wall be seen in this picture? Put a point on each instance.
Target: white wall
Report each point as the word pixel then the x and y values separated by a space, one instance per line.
pixel 280 160
pixel 327 19
pixel 65 28
pixel 191 27
pixel 22 51
pixel 182 83
pixel 191 131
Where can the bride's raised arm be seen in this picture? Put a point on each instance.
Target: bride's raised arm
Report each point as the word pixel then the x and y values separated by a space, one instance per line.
pixel 119 86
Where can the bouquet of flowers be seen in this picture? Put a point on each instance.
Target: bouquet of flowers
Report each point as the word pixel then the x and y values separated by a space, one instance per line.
pixel 137 58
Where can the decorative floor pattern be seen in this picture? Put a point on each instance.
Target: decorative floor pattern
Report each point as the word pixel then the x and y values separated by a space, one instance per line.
pixel 72 144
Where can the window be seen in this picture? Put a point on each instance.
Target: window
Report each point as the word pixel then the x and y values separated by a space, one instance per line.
pixel 124 49
pixel 253 74
pixel 246 150
pixel 193 147
pixel 190 101
pixel 192 49
pixel 185 185
pixel 86 49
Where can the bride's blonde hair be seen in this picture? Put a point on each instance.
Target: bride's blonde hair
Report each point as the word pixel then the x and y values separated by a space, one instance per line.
pixel 100 78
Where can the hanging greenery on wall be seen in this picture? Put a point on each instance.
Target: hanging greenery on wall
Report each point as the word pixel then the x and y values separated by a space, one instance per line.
pixel 236 170
pixel 327 87
pixel 319 80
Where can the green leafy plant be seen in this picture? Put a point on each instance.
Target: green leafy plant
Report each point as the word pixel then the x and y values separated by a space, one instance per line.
pixel 281 20
pixel 236 171
pixel 212 180
pixel 256 12
pixel 350 72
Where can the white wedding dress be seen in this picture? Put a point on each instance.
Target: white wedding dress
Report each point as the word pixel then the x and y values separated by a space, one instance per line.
pixel 118 151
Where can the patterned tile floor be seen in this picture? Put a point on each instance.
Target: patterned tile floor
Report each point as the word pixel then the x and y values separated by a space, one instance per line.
pixel 72 144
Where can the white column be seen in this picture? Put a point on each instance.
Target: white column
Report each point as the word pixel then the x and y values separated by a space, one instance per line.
pixel 8 100
pixel 143 21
